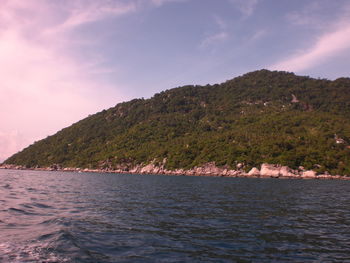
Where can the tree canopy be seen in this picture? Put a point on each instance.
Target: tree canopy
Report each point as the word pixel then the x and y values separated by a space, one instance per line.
pixel 262 116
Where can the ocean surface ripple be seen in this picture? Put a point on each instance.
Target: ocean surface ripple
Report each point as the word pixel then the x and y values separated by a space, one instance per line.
pixel 72 217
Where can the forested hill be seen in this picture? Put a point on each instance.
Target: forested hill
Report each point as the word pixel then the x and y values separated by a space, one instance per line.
pixel 262 116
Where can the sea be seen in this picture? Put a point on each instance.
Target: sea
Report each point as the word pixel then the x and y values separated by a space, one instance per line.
pixel 101 217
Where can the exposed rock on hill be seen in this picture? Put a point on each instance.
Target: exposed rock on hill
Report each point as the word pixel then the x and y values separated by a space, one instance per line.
pixel 260 117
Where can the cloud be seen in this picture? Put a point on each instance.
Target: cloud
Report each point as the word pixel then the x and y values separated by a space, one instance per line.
pixel 246 7
pixel 258 35
pixel 219 36
pixel 317 15
pixel 211 39
pixel 48 79
pixel 326 46
pixel 81 13
pixel 10 142
pixel 158 3
pixel 43 86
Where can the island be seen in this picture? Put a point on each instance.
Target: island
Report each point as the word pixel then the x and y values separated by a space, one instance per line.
pixel 261 124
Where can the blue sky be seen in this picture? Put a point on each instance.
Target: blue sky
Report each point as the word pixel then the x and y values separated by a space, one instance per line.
pixel 207 41
pixel 62 60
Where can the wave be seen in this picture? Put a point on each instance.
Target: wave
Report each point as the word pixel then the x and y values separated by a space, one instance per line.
pixel 30 252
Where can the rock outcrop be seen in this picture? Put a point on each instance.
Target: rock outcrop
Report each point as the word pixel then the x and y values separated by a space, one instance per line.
pixel 294 99
pixel 308 174
pixel 269 170
pixel 276 171
pixel 209 169
pixel 254 172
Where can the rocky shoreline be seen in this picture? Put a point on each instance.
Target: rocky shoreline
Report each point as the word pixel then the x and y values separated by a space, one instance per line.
pixel 209 169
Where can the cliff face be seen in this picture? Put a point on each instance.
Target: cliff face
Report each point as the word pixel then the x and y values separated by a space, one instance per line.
pixel 260 117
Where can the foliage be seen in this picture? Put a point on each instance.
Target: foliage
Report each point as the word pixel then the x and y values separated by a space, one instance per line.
pixel 249 119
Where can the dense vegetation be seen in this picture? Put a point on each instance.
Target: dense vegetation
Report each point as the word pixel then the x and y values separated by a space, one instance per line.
pixel 262 116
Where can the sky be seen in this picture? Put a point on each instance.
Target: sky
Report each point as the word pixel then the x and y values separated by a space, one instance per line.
pixel 61 60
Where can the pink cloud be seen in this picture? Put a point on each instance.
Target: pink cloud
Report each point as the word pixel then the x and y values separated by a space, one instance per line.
pixel 326 46
pixel 10 142
pixel 81 12
pixel 43 88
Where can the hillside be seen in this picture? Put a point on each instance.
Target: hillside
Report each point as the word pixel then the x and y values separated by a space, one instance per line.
pixel 262 116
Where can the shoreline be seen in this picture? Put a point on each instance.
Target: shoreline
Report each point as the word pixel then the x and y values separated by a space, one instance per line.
pixel 209 169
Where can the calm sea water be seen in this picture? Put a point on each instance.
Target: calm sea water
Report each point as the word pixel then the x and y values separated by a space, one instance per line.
pixel 72 217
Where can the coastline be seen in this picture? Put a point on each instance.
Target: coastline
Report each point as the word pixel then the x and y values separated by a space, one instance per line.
pixel 209 169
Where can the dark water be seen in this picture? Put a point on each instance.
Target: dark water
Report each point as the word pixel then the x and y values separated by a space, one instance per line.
pixel 66 217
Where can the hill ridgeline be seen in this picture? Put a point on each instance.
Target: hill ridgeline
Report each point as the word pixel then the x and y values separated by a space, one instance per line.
pixel 258 118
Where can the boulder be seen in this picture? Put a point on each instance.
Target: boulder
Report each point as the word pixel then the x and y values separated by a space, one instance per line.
pixel 211 169
pixel 190 172
pixel 322 176
pixel 285 171
pixel 269 170
pixel 179 172
pixel 232 173
pixel 147 169
pixel 308 174
pixel 136 169
pixel 254 172
pixel 294 99
pixel 156 170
